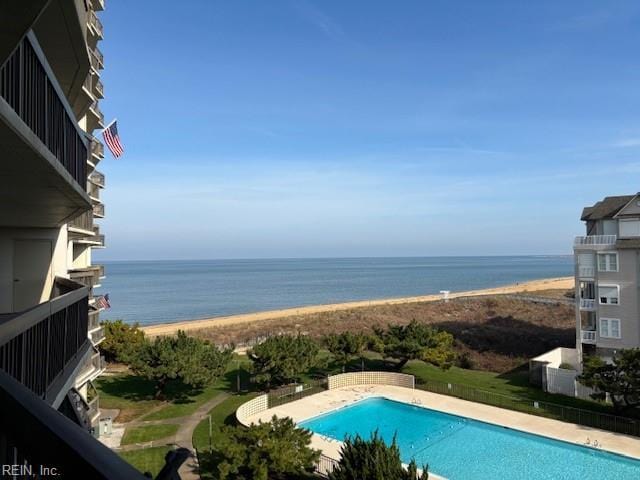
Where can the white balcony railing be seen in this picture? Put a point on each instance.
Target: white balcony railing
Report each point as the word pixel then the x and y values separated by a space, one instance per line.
pixel 587 304
pixel 586 272
pixel 588 336
pixel 595 240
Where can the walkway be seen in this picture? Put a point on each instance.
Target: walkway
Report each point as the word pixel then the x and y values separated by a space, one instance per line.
pixel 182 438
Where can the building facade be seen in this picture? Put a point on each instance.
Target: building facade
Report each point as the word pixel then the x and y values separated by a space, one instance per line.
pixel 607 272
pixel 50 206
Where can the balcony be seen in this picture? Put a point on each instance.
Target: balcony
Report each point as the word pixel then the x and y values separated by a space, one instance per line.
pixel 97 59
pixel 97 178
pixel 94 319
pixel 42 346
pixel 95 27
pixel 97 5
pixel 89 276
pixel 97 336
pixel 94 367
pixel 98 210
pixel 82 224
pixel 94 192
pixel 36 434
pixel 586 271
pixel 95 117
pixel 588 336
pixel 43 151
pixel 587 304
pixel 594 242
pixel 98 89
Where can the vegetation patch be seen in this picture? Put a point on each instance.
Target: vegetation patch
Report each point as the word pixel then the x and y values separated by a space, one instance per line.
pixel 147 459
pixel 147 433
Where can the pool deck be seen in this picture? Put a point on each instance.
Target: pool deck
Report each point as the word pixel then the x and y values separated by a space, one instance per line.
pixel 330 400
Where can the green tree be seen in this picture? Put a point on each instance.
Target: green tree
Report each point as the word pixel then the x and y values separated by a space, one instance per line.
pixel 122 341
pixel 281 359
pixel 271 450
pixel 346 346
pixel 620 379
pixel 192 361
pixel 373 459
pixel 415 341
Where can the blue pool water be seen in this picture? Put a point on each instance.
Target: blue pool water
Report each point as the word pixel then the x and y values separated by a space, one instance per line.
pixel 459 448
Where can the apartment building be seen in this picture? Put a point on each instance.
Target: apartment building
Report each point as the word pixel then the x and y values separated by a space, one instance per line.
pixel 50 206
pixel 607 271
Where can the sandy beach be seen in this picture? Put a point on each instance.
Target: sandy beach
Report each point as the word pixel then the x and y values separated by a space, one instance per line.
pixel 565 283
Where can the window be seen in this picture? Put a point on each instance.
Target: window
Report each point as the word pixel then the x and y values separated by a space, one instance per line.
pixel 610 328
pixel 630 228
pixel 609 295
pixel 607 262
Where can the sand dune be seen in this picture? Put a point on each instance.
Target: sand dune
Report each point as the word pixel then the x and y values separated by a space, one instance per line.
pixel 172 328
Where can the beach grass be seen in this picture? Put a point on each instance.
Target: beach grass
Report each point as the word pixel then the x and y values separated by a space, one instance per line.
pixel 147 433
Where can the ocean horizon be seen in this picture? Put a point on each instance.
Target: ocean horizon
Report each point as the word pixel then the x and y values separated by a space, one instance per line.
pixel 163 291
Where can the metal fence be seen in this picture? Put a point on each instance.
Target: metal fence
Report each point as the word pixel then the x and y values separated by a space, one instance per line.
pixel 325 465
pixel 296 392
pixel 588 418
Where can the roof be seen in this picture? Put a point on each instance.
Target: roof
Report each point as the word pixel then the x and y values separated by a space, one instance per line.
pixel 606 208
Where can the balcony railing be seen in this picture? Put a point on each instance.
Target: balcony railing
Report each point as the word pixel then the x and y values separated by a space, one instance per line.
pixel 94 407
pixel 588 336
pixel 586 271
pixel 594 240
pixel 83 222
pixel 587 304
pixel 94 191
pixel 95 24
pixel 97 336
pixel 94 319
pixel 97 59
pixel 97 148
pixel 36 98
pixel 38 344
pixel 89 277
pixel 98 210
pixel 97 178
pixel 98 88
pixel 34 434
pixel 95 109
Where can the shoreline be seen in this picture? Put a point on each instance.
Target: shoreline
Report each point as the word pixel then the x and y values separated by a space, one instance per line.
pixel 212 322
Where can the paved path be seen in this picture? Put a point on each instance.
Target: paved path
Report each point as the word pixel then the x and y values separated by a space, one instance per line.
pixel 182 438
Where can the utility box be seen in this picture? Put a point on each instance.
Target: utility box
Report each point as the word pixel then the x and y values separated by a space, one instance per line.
pixel 105 426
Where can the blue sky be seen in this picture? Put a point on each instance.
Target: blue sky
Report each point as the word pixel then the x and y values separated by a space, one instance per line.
pixel 308 128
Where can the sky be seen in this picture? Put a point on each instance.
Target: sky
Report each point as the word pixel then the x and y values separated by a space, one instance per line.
pixel 309 128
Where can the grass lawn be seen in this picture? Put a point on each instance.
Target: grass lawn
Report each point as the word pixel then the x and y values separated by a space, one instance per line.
pixel 147 433
pixel 134 395
pixel 147 459
pixel 223 414
pixel 512 384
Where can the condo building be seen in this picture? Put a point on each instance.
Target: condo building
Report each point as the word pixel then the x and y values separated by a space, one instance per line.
pixel 50 209
pixel 607 272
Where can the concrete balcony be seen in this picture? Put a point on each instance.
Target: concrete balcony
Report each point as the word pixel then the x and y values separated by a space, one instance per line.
pixel 98 89
pixel 93 368
pixel 88 276
pixel 98 210
pixel 587 304
pixel 94 192
pixel 95 117
pixel 44 153
pixel 97 5
pixel 97 336
pixel 97 59
pixel 97 178
pixel 95 29
pixel 588 336
pixel 82 224
pixel 594 242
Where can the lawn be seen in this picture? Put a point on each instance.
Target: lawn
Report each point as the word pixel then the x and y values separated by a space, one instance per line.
pixel 147 459
pixel 147 433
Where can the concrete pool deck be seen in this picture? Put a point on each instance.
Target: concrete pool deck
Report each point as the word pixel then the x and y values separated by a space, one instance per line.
pixel 331 400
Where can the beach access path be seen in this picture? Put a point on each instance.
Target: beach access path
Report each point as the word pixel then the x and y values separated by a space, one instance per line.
pixel 565 283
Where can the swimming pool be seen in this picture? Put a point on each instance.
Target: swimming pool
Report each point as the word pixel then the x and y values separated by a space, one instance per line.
pixel 459 448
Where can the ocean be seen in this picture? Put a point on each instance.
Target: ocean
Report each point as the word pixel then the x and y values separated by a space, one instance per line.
pixel 151 292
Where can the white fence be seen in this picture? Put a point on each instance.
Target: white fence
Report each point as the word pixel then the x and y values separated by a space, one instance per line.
pixel 371 378
pixel 252 407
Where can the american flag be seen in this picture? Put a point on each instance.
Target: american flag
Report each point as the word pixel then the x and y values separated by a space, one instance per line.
pixel 103 301
pixel 112 139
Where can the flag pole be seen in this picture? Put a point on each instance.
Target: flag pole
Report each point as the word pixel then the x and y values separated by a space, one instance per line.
pixel 110 123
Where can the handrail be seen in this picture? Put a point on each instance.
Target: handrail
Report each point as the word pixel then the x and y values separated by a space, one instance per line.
pixel 43 436
pixel 595 240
